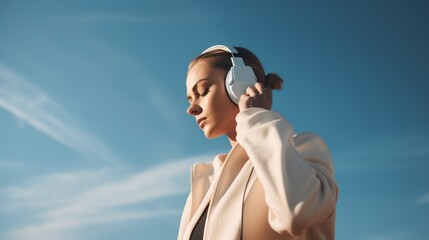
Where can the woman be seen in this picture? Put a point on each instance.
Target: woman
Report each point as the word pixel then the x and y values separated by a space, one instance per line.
pixel 273 184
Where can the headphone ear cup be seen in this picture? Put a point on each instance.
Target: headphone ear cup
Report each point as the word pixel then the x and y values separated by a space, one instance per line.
pixel 229 83
pixel 238 79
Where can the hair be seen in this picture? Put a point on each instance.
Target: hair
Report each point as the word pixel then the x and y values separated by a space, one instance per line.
pixel 222 59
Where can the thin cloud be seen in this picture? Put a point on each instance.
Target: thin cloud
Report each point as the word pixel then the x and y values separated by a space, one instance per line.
pixel 423 199
pixel 392 236
pixel 31 105
pixel 61 229
pixel 373 154
pixel 165 107
pixel 137 19
pixel 9 165
pixel 67 206
pixel 54 189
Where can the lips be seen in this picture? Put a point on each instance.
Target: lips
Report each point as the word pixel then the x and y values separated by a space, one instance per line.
pixel 200 121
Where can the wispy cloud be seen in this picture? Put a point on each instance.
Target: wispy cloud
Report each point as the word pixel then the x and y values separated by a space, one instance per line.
pixel 137 19
pixel 61 229
pixel 423 199
pixel 392 236
pixel 374 153
pixel 9 165
pixel 64 204
pixel 34 107
pixel 164 106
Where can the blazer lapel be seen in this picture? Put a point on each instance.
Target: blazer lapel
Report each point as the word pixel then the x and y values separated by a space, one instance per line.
pixel 201 197
pixel 233 164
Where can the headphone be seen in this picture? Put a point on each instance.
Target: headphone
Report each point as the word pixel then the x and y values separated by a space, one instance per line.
pixel 239 77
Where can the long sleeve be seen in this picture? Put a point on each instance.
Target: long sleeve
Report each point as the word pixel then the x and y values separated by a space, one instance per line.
pixel 296 172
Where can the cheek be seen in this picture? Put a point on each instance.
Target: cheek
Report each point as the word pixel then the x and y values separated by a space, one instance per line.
pixel 219 106
pixel 223 98
pixel 224 109
pixel 220 102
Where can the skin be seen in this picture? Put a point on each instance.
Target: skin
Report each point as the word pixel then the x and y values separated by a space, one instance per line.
pixel 209 103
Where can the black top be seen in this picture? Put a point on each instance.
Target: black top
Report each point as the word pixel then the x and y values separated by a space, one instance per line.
pixel 198 231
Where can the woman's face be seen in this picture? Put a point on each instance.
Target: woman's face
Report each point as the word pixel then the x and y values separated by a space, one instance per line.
pixel 209 103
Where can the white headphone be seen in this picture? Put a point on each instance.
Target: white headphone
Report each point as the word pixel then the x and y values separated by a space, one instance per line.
pixel 239 77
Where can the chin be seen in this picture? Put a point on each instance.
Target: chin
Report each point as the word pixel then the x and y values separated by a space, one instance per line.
pixel 210 134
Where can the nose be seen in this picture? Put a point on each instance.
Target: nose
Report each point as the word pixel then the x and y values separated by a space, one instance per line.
pixel 194 110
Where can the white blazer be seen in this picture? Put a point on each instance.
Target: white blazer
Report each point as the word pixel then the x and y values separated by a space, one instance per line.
pixel 291 190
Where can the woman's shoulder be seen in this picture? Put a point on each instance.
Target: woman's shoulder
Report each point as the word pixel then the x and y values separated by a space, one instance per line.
pixel 209 168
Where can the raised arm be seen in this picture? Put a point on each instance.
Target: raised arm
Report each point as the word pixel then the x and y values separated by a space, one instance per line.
pixel 296 172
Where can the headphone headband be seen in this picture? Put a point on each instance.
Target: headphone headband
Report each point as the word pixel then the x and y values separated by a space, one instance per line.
pixel 221 47
pixel 236 60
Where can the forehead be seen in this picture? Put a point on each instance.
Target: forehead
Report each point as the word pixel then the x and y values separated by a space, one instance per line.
pixel 202 70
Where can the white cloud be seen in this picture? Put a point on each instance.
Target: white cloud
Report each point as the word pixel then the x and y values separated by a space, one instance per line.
pixel 375 153
pixel 50 190
pixel 65 204
pixel 9 165
pixel 392 236
pixel 60 229
pixel 32 106
pixel 423 199
pixel 163 105
pixel 138 19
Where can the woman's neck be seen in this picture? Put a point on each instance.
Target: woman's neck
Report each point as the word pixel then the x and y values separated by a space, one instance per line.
pixel 232 138
pixel 233 142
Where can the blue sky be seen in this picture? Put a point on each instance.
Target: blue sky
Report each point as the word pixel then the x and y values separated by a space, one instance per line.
pixel 95 142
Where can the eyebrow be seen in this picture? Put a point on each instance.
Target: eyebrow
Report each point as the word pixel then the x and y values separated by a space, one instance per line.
pixel 195 86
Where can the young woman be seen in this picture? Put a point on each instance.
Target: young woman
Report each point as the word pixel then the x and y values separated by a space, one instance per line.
pixel 273 184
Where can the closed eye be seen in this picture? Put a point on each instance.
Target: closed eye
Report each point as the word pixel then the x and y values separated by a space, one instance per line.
pixel 205 92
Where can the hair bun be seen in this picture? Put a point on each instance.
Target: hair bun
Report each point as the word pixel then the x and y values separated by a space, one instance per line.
pixel 274 81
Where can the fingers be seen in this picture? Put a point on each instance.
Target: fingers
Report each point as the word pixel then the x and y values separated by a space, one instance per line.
pixel 256 96
pixel 259 87
pixel 252 91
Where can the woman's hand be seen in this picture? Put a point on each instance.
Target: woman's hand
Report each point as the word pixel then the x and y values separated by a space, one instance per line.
pixel 256 96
